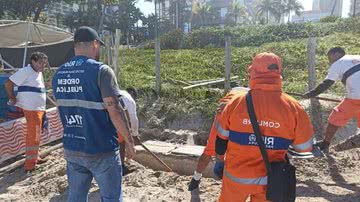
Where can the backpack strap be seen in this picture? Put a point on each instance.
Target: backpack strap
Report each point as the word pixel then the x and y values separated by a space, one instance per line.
pixel 256 128
pixel 350 72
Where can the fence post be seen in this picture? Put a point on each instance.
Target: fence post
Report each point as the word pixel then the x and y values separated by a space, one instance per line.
pixel 227 62
pixel 108 50
pixel 157 52
pixel 315 109
pixel 116 52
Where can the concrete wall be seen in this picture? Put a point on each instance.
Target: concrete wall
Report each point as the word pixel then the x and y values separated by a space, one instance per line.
pixel 182 159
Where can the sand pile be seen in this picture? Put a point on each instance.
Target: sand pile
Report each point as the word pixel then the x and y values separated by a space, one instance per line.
pixel 49 183
pixel 336 178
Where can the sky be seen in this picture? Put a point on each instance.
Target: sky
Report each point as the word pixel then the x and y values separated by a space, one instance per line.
pixel 148 7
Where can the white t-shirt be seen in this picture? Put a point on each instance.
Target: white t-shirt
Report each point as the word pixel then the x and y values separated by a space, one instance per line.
pixel 337 70
pixel 33 101
pixel 130 106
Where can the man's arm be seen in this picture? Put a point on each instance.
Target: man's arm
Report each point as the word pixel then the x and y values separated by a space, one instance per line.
pixel 9 87
pixel 109 89
pixel 322 87
pixel 117 116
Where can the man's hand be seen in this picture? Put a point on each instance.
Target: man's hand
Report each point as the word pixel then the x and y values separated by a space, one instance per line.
pixel 136 140
pixel 219 169
pixel 9 87
pixel 48 85
pixel 130 151
pixel 322 87
pixel 117 116
pixel 307 95
pixel 12 101
pixel 194 184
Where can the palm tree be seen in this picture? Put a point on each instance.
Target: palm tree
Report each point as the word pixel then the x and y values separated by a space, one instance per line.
pixel 204 11
pixel 292 6
pixel 101 6
pixel 237 10
pixel 270 7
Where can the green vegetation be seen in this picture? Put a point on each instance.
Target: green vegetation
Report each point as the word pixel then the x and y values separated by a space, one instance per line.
pixel 200 64
pixel 256 35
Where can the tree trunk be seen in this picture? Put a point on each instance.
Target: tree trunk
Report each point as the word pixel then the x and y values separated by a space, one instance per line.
pixel 127 39
pixel 354 8
pixel 101 23
pixel 289 17
pixel 38 10
pixel 99 6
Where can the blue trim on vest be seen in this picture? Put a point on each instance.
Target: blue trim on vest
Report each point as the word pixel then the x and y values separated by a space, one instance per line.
pixel 31 89
pixel 249 139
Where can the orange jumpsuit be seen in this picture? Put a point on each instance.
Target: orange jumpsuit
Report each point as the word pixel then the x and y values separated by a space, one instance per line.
pixel 34 121
pixel 346 110
pixel 209 150
pixel 282 121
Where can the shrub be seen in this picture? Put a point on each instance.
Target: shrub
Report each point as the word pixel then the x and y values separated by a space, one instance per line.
pixel 172 40
pixel 260 34
pixel 330 19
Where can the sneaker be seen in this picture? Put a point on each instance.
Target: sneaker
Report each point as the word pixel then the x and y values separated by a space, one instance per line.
pixel 29 172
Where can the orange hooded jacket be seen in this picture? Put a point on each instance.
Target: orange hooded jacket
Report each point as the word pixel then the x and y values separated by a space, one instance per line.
pixel 282 121
pixel 210 146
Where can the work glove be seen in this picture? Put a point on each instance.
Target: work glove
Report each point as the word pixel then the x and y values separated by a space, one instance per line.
pixel 194 184
pixel 219 169
pixel 323 146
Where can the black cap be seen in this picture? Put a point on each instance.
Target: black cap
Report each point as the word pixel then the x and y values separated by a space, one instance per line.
pixel 87 34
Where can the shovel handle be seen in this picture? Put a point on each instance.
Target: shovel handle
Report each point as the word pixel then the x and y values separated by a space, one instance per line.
pixel 319 98
pixel 155 156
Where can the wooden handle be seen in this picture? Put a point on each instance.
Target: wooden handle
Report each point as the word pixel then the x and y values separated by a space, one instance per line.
pixel 319 98
pixel 155 156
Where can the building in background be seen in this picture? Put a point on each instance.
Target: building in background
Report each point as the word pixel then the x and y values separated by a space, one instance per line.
pixel 320 9
pixel 175 10
pixel 56 11
pixel 182 13
pixel 355 5
pixel 331 7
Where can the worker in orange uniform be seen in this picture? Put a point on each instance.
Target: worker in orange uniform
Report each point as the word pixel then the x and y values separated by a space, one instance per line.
pixel 209 150
pixel 347 69
pixel 31 98
pixel 282 121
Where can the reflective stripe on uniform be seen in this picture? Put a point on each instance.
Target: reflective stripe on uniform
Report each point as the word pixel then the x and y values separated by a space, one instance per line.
pixel 31 148
pixel 31 89
pixel 304 146
pixel 249 139
pixel 31 157
pixel 222 131
pixel 80 103
pixel 247 181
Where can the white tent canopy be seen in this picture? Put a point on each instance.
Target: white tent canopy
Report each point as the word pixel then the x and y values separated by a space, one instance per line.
pixel 20 33
pixel 17 37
